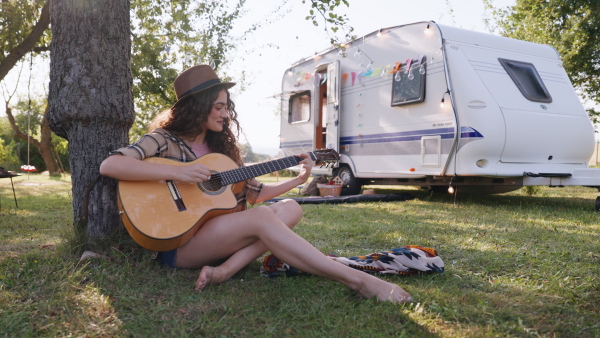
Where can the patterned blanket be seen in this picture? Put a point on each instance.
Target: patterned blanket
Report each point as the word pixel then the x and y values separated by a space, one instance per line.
pixel 409 260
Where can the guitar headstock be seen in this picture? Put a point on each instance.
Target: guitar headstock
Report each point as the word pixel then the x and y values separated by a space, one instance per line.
pixel 324 156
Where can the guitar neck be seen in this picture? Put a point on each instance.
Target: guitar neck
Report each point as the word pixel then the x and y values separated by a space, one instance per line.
pixel 244 173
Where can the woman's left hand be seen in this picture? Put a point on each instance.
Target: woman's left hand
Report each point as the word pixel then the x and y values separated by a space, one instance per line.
pixel 305 166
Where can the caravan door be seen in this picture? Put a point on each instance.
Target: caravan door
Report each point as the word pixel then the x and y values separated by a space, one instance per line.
pixel 333 106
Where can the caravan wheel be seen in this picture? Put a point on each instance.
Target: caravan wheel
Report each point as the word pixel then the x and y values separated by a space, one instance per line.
pixel 351 184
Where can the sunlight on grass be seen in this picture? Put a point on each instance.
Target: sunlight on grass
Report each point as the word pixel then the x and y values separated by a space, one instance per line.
pixel 516 265
pixel 99 314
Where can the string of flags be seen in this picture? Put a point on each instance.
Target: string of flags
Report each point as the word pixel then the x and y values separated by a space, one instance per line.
pixel 352 78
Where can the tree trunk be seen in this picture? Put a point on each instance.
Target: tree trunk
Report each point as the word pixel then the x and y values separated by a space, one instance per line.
pixel 46 146
pixel 90 99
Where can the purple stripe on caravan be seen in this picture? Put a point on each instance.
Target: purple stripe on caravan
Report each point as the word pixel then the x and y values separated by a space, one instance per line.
pixel 419 133
pixel 414 135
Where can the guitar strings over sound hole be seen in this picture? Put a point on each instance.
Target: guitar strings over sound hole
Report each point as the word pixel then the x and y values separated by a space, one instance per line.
pixel 212 186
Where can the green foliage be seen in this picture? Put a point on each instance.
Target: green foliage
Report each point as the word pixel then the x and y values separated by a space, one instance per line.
pixel 16 22
pixel 572 27
pixel 8 153
pixel 28 115
pixel 28 118
pixel 532 190
pixel 333 21
pixel 8 156
pixel 169 36
pixel 250 156
pixel 61 152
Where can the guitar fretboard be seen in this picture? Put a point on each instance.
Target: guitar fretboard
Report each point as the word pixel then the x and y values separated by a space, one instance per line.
pixel 241 174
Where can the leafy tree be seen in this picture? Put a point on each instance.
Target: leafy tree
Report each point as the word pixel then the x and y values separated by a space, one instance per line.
pixel 24 29
pixel 570 26
pixel 333 21
pixel 38 134
pixel 169 36
pixel 250 156
pixel 8 147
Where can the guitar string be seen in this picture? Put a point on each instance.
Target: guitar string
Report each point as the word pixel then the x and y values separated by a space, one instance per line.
pixel 244 173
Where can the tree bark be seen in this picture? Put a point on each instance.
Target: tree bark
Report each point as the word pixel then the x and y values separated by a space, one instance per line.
pixel 90 99
pixel 44 145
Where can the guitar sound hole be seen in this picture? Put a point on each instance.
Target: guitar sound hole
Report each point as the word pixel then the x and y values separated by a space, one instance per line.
pixel 213 186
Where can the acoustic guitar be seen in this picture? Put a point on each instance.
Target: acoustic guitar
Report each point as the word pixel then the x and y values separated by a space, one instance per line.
pixel 163 215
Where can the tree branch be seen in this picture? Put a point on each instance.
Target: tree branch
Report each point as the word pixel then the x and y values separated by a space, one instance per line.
pixel 18 132
pixel 28 44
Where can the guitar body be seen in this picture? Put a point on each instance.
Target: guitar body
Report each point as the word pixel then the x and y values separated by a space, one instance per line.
pixel 164 215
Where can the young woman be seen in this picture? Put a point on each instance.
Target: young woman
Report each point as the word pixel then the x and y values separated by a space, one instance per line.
pixel 204 120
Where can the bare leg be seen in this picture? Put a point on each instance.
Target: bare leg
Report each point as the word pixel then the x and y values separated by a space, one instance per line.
pixel 224 235
pixel 288 211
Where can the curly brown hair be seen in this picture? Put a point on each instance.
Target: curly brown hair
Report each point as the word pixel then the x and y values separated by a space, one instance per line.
pixel 186 119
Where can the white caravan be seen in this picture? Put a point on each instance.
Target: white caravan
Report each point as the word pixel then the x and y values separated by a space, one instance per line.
pixel 431 105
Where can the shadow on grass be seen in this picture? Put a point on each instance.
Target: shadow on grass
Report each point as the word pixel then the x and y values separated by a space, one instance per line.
pixel 155 300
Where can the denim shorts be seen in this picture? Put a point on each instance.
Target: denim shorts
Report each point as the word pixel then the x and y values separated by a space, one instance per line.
pixel 167 257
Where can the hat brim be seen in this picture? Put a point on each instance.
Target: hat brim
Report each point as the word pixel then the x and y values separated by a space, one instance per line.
pixel 227 85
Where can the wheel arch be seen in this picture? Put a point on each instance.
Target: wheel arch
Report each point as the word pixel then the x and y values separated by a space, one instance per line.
pixel 347 160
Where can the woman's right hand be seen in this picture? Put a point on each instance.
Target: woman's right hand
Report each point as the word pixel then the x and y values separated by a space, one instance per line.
pixel 196 173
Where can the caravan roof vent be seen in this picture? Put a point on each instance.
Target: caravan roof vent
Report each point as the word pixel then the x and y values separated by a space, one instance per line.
pixel 527 79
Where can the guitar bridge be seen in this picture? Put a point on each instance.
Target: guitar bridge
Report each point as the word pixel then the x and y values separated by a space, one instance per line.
pixel 176 196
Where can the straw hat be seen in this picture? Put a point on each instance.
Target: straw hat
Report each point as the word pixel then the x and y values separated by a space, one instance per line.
pixel 196 79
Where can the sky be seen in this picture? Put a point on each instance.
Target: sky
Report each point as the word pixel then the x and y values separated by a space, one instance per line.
pixel 281 41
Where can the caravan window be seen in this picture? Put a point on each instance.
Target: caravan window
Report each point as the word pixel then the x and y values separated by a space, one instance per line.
pixel 409 86
pixel 527 79
pixel 299 107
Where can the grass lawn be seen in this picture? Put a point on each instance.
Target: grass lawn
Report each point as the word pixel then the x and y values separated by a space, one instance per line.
pixel 516 265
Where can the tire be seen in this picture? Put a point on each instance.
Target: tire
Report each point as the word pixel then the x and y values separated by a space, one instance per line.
pixel 352 185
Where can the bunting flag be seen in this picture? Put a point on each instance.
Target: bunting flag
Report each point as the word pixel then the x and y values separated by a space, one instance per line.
pixel 353 77
pixel 344 78
pixel 408 63
pixel 385 71
pixel 324 78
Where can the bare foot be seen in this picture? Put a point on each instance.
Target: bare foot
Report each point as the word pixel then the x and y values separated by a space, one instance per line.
pixel 210 276
pixel 384 291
